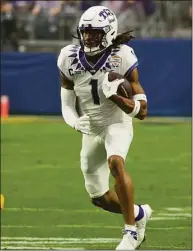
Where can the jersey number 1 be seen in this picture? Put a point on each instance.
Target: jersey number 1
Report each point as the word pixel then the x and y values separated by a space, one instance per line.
pixel 94 91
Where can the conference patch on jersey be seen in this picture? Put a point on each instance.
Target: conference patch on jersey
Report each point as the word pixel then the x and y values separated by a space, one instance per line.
pixel 115 61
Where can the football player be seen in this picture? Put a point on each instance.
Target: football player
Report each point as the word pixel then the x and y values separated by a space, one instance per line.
pixel 106 120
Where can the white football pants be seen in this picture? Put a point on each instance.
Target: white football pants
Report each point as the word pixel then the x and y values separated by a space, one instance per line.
pixel 96 150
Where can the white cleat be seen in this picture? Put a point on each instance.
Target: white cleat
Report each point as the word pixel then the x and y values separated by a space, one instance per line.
pixel 141 224
pixel 129 241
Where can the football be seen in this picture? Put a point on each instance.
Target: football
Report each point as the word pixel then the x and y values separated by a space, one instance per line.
pixel 124 89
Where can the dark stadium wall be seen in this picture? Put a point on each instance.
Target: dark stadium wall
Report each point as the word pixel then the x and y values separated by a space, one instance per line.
pixel 31 80
pixel 165 68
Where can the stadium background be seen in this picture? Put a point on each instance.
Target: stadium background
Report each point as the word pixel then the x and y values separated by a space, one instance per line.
pixel 46 205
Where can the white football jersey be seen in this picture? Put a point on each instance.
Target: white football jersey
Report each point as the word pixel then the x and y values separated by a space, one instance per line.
pixel 88 80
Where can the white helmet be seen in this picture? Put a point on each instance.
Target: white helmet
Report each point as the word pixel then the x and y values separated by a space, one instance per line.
pixel 102 19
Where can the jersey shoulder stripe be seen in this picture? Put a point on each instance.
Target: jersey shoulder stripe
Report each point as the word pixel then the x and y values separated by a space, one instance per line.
pixel 67 57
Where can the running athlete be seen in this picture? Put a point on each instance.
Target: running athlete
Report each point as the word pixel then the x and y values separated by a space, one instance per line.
pixel 106 119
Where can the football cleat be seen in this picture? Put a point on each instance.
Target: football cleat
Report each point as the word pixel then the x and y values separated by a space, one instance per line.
pixel 141 224
pixel 129 241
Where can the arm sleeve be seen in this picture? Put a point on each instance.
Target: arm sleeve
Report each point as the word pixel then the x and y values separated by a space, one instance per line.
pixel 68 101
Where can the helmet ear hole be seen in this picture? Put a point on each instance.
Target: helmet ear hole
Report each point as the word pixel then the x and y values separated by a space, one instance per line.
pixel 112 33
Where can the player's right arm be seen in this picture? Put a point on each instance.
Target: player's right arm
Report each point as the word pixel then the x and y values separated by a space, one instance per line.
pixel 68 98
pixel 137 106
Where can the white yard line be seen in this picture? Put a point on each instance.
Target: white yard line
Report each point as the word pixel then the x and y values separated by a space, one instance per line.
pixel 62 240
pixel 92 226
pixel 78 248
pixel 38 248
pixel 175 214
pixel 82 226
pixel 48 243
pixel 177 209
pixel 87 226
pixel 27 209
pixel 72 240
pixel 55 242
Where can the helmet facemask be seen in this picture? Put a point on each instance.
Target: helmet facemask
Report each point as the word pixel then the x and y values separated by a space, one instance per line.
pixel 93 40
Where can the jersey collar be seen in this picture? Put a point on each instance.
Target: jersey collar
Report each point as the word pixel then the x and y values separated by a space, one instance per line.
pixel 93 69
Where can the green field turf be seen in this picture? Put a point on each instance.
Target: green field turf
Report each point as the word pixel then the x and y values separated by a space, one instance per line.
pixel 46 205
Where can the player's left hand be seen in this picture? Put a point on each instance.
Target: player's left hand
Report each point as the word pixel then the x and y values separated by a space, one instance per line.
pixel 83 124
pixel 110 88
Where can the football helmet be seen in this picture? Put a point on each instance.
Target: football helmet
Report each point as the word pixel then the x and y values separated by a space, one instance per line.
pixel 100 25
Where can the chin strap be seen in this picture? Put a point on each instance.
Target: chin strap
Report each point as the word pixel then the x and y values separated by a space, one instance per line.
pixel 96 51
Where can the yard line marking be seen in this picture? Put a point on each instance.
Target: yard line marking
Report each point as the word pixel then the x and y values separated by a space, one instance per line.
pixel 46 243
pixel 76 248
pixel 56 240
pixel 73 240
pixel 168 228
pixel 178 209
pixel 175 214
pixel 168 218
pixel 27 209
pixel 88 226
pixel 65 241
pixel 168 247
pixel 51 210
pixel 39 248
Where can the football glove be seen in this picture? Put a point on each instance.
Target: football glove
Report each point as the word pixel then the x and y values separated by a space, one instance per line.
pixel 110 88
pixel 83 124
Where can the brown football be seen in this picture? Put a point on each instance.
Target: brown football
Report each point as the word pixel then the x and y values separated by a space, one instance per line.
pixel 124 89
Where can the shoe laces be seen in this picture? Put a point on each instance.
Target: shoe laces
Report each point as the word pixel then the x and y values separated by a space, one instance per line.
pixel 132 233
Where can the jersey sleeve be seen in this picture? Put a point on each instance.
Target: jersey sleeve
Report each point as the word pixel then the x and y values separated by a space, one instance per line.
pixel 63 62
pixel 130 60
